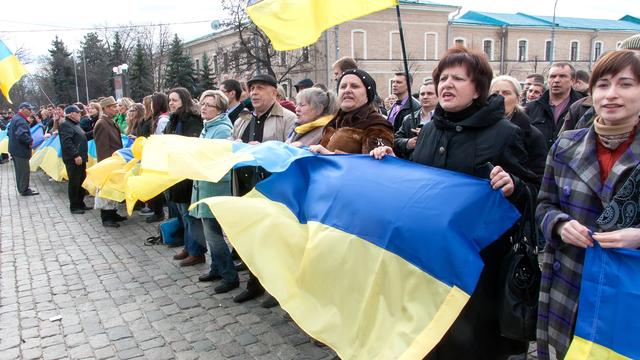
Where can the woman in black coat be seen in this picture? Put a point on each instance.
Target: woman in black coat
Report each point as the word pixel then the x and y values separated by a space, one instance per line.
pixel 469 134
pixel 186 121
pixel 534 142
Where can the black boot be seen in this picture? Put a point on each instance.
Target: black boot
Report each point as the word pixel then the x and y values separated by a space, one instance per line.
pixel 107 219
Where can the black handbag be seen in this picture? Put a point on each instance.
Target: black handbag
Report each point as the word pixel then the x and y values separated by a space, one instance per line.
pixel 520 279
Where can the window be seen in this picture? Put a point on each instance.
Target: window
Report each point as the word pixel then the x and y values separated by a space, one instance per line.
pixel 283 58
pixel 597 50
pixel 215 64
pixel 358 44
pixel 460 42
pixel 197 65
pixel 548 50
pixel 522 50
pixel 394 52
pixel 430 46
pixel 305 54
pixel 236 60
pixel 487 47
pixel 225 61
pixel 575 48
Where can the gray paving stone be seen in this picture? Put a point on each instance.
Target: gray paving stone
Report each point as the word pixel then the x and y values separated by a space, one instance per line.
pixel 160 353
pixel 125 344
pixel 81 352
pixel 246 339
pixel 99 341
pixel 29 354
pixel 104 353
pixel 118 333
pixel 54 352
pixel 152 343
pixel 130 353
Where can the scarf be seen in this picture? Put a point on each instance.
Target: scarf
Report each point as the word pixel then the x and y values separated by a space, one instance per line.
pixel 319 122
pixel 611 136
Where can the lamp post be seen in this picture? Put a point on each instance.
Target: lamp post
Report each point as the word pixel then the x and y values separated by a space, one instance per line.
pixel 120 80
pixel 553 33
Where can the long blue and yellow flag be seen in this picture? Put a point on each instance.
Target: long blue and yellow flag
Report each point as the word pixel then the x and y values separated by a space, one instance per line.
pixel 4 142
pixel 292 24
pixel 11 70
pixel 48 157
pixel 609 303
pixel 372 267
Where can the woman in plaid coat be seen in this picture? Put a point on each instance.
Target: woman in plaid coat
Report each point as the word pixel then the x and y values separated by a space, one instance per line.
pixel 585 168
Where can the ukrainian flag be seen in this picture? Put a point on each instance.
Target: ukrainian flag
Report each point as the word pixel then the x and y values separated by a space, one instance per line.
pixel 37 135
pixel 292 24
pixel 169 159
pixel 4 142
pixel 374 267
pixel 609 303
pixel 11 70
pixel 48 157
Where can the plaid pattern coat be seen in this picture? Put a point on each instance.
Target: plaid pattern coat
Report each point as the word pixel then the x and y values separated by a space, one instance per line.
pixel 571 189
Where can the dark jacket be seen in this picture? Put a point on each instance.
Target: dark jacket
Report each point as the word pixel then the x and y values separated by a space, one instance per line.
pixel 87 123
pixel 405 110
pixel 19 135
pixel 541 115
pixel 573 119
pixel 235 113
pixel 534 143
pixel 73 140
pixel 405 133
pixel 186 125
pixel 107 136
pixel 465 142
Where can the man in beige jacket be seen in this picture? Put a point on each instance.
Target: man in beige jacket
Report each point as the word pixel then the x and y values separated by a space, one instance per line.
pixel 269 121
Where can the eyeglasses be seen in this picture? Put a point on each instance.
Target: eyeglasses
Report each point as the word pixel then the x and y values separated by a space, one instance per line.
pixel 207 105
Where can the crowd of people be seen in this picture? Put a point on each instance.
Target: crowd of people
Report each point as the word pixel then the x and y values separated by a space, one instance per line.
pixel 569 139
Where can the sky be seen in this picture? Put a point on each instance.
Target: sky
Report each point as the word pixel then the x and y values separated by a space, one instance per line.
pixel 45 15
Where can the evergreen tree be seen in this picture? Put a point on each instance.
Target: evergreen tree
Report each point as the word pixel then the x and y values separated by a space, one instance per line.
pixel 117 51
pixel 140 77
pixel 179 70
pixel 61 72
pixel 96 58
pixel 206 79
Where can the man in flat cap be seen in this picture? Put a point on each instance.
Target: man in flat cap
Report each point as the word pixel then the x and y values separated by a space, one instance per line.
pixel 73 144
pixel 20 143
pixel 269 121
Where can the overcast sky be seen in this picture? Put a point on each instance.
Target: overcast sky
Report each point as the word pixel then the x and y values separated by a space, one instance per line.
pixel 44 15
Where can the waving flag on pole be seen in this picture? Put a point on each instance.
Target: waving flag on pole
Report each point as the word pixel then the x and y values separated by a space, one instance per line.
pixel 606 327
pixel 374 268
pixel 292 24
pixel 11 70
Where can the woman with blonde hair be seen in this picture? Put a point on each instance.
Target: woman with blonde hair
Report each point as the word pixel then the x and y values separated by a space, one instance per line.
pixel 509 88
pixel 134 120
pixel 121 117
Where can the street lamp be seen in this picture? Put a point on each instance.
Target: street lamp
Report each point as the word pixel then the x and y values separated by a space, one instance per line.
pixel 120 80
pixel 553 33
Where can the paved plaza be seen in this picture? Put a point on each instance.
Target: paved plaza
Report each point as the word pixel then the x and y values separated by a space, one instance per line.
pixel 116 297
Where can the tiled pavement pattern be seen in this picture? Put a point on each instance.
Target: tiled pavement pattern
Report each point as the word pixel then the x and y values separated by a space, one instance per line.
pixel 117 298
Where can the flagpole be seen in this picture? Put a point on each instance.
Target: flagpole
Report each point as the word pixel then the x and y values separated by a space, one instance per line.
pixel 39 87
pixel 406 65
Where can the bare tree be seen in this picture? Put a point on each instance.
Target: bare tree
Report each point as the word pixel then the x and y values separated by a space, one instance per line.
pixel 253 51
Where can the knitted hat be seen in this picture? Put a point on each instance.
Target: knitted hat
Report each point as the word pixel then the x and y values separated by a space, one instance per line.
pixel 631 43
pixel 366 79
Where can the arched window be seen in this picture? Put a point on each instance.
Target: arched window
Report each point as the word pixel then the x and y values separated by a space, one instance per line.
pixel 574 52
pixel 597 50
pixel 523 49
pixel 487 47
pixel 358 44
pixel 430 46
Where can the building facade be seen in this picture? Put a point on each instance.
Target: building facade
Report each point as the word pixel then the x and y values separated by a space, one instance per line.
pixel 516 44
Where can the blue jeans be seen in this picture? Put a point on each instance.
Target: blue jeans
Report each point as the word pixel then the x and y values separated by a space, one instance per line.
pixel 221 261
pixel 193 236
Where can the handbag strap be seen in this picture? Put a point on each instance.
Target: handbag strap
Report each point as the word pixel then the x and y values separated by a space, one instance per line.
pixel 526 232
